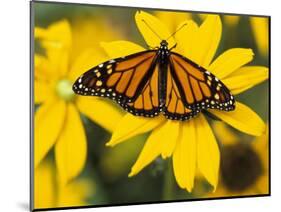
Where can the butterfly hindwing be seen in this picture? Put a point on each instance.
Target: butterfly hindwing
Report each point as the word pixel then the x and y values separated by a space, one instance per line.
pixel 147 103
pixel 175 108
pixel 199 88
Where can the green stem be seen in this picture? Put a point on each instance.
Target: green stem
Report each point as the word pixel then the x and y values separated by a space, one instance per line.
pixel 168 181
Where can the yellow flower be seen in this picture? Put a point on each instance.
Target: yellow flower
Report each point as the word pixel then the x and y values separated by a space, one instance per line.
pixel 191 144
pixel 57 120
pixel 49 193
pixel 244 168
pixel 260 27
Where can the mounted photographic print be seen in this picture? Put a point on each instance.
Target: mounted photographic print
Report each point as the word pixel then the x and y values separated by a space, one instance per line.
pixel 137 106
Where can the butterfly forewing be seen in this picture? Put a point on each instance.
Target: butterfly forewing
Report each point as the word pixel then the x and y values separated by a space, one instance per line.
pixel 199 88
pixel 131 81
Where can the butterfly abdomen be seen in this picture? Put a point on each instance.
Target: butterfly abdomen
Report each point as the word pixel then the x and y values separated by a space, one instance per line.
pixel 163 53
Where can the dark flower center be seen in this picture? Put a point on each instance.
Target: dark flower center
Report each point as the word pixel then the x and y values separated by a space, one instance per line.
pixel 241 166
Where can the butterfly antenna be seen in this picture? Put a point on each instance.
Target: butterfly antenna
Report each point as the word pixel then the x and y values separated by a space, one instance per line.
pixel 176 31
pixel 152 29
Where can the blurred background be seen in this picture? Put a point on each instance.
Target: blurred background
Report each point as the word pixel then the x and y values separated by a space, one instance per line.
pixel 104 178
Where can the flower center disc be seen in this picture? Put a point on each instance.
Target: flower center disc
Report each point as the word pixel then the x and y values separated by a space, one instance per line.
pixel 64 90
pixel 240 168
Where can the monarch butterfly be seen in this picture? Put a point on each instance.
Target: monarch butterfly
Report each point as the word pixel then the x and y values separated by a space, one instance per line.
pixel 156 81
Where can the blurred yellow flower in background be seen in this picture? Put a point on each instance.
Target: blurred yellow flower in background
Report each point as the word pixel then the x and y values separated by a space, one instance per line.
pixel 191 144
pixel 260 27
pixel 244 167
pixel 49 193
pixel 89 32
pixel 229 20
pixel 57 120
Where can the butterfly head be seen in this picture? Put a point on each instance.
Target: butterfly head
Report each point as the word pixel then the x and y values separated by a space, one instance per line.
pixel 164 45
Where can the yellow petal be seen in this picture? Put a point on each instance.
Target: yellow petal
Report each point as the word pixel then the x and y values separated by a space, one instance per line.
pixel 130 126
pixel 42 91
pixel 148 25
pixel 149 152
pixel 230 60
pixel 56 40
pixel 186 39
pixel 86 60
pixel 223 133
pixel 262 185
pixel 261 146
pixel 99 111
pixel 202 16
pixel 261 143
pixel 42 68
pixel 168 135
pixel 173 19
pixel 231 20
pixel 120 48
pixel 184 156
pixel 245 78
pixel 52 67
pixel 260 28
pixel 237 91
pixel 71 147
pixel 242 118
pixel 154 146
pixel 75 193
pixel 58 62
pixel 40 32
pixel 38 62
pixel 207 40
pixel 44 189
pixel 57 35
pixel 89 31
pixel 208 155
pixel 48 123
